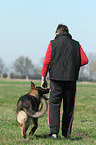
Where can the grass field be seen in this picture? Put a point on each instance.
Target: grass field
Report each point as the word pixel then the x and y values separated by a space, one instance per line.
pixel 84 125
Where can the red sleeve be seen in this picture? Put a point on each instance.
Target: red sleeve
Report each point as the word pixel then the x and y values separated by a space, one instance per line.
pixel 84 58
pixel 47 60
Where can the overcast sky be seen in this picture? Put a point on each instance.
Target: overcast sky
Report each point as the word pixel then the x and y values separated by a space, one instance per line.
pixel 27 26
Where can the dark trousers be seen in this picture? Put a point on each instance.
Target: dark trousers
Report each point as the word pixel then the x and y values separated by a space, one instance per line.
pixel 59 90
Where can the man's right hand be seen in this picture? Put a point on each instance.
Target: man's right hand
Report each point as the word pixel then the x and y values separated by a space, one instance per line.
pixel 43 82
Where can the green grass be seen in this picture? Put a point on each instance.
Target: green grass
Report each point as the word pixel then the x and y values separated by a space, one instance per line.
pixel 84 125
pixel 18 82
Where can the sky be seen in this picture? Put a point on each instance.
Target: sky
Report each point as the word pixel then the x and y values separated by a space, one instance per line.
pixel 27 26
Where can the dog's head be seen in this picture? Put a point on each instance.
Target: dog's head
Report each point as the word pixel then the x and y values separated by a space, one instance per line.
pixel 37 91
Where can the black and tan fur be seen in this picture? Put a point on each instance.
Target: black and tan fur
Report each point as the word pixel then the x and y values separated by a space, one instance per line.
pixel 27 108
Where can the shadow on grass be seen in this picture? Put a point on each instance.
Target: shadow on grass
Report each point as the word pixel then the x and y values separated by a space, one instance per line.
pixel 23 140
pixel 81 135
pixel 30 138
pixel 59 137
pixel 78 136
pixel 44 136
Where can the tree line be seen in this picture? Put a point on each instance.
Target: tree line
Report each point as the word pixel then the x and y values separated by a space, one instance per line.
pixel 23 68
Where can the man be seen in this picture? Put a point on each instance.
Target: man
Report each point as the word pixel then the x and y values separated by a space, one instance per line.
pixel 63 60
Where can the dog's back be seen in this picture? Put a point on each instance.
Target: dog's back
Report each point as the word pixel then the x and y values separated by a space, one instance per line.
pixel 27 103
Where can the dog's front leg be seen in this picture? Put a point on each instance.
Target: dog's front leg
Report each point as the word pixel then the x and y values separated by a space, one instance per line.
pixel 35 122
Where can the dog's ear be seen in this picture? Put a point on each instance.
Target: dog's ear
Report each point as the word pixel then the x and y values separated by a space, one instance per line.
pixel 33 86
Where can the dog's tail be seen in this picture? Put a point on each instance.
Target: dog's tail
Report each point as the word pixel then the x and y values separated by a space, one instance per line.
pixel 39 113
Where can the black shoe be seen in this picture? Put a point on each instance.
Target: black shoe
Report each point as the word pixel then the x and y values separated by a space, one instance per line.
pixel 50 134
pixel 65 138
pixel 70 138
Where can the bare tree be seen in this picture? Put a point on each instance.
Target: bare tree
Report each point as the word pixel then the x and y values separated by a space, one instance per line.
pixel 1 67
pixel 83 75
pixel 38 69
pixel 92 66
pixel 23 65
pixel 82 72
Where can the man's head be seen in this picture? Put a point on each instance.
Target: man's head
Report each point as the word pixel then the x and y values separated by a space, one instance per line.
pixel 61 29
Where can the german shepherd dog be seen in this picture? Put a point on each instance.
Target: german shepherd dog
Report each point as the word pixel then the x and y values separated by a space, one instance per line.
pixel 28 108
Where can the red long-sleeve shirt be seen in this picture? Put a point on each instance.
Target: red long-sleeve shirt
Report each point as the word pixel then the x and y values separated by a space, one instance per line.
pixel 47 60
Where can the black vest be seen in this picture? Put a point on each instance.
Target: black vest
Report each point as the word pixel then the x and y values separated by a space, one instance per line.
pixel 65 59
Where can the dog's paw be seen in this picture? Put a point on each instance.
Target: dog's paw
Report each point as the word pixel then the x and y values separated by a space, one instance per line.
pixel 31 133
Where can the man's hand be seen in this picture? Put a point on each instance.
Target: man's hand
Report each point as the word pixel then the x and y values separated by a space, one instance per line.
pixel 43 82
